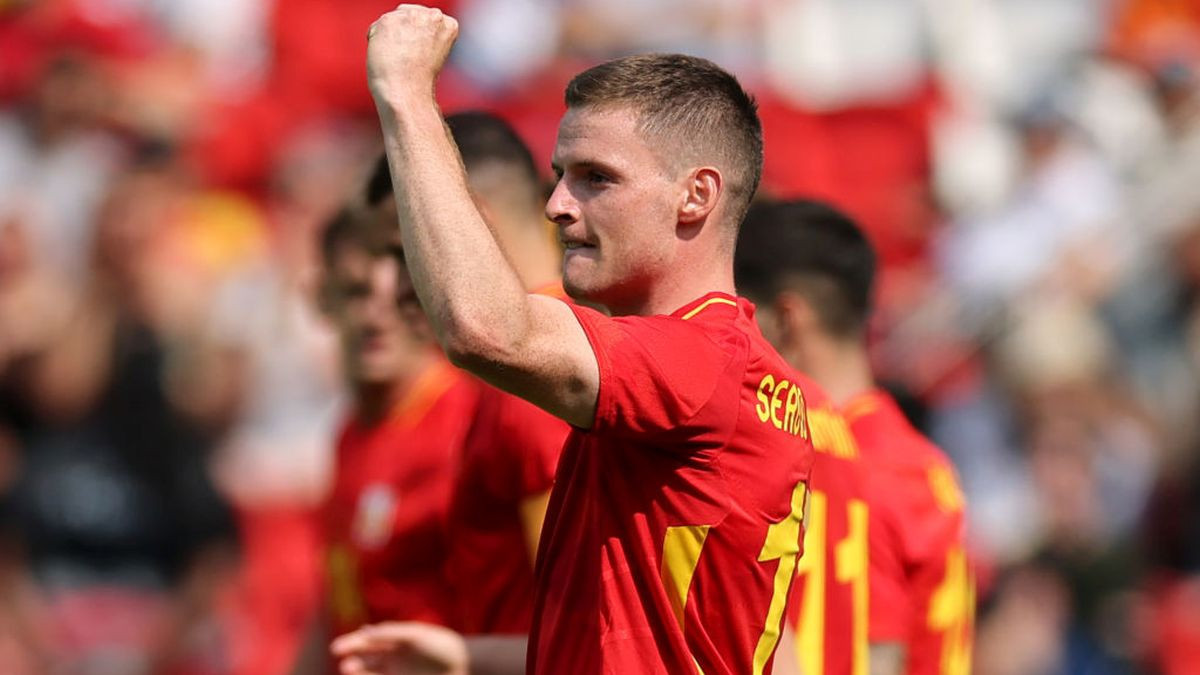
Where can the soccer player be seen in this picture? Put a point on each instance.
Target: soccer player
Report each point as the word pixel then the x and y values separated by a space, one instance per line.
pixel 887 563
pixel 675 520
pixel 384 522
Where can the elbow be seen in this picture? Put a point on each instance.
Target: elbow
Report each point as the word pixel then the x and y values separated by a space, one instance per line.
pixel 464 352
pixel 475 345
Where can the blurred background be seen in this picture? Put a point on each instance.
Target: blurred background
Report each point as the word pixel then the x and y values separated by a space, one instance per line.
pixel 1029 170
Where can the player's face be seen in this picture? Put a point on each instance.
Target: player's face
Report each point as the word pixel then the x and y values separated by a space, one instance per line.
pixel 369 295
pixel 616 207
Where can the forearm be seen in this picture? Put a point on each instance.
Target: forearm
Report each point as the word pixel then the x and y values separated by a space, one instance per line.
pixel 471 294
pixel 497 654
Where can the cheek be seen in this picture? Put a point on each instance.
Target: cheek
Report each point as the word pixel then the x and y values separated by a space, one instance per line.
pixel 641 219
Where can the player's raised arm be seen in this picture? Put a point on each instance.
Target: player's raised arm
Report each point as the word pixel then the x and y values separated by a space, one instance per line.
pixel 531 346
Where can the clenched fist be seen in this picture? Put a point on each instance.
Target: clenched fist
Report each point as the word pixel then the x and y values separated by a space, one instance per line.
pixel 405 51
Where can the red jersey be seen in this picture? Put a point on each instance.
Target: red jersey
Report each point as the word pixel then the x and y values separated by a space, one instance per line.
pixel 922 591
pixel 385 520
pixel 829 606
pixel 675 522
pixel 510 455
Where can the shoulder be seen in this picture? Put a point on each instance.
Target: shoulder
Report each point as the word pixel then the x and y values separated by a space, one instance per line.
pixel 675 373
pixel 660 330
pixel 685 349
pixel 882 431
pixel 901 459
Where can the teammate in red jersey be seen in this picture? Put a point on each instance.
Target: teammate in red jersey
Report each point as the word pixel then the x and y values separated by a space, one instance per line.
pixel 829 613
pixel 894 571
pixel 511 450
pixel 675 521
pixel 512 447
pixel 384 521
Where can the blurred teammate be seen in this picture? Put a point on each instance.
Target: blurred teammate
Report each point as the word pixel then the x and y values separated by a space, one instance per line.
pixel 397 455
pixel 888 496
pixel 511 450
pixel 674 526
pixel 512 447
pixel 829 599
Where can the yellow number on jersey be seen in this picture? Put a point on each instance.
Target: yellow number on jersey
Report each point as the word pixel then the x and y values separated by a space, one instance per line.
pixel 952 611
pixel 782 544
pixel 850 567
pixel 681 554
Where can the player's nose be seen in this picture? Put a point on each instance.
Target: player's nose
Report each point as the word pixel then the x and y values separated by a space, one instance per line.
pixel 562 208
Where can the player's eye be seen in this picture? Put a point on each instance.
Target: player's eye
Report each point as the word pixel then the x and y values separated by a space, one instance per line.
pixel 597 178
pixel 355 290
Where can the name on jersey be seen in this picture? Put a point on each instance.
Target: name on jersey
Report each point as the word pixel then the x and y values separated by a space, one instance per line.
pixel 781 404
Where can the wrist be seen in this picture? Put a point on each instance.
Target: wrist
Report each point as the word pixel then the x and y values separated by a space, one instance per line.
pixel 396 99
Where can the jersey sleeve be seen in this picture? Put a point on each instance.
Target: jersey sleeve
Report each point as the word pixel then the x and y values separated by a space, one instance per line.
pixel 658 377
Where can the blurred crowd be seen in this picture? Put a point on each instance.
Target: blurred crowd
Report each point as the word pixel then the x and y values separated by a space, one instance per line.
pixel 1028 169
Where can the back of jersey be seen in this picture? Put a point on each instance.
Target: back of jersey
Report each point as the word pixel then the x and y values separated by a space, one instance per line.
pixel 922 591
pixel 828 612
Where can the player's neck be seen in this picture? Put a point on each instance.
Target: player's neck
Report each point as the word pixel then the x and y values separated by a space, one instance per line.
pixel 841 367
pixel 374 401
pixel 685 283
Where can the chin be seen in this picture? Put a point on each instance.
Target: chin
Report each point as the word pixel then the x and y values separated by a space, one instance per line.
pixel 376 374
pixel 582 289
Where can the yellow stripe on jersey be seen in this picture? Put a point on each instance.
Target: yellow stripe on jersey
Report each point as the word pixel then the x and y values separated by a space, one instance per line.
pixel 681 553
pixel 857 407
pixel 706 304
pixel 345 595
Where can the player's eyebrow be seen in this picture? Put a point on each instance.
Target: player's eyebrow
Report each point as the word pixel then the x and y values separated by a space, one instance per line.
pixel 586 164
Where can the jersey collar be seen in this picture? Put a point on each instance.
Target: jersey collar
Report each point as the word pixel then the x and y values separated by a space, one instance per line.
pixel 864 403
pixel 706 304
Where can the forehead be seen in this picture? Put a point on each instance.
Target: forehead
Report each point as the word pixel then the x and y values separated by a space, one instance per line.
pixel 608 135
pixel 354 261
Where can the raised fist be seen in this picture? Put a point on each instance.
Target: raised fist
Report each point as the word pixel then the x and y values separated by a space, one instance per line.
pixel 406 49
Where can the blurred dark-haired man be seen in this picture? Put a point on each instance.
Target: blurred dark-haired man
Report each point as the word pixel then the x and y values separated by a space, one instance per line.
pixel 512 447
pixel 675 521
pixel 884 584
pixel 397 454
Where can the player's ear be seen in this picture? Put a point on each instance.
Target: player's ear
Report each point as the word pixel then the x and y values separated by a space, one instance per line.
pixel 797 318
pixel 703 188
